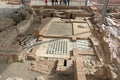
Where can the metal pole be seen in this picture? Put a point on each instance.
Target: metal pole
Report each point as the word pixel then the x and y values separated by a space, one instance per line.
pixel 86 2
pixel 104 12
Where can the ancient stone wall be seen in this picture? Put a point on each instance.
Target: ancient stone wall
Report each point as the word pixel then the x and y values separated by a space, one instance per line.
pixel 24 25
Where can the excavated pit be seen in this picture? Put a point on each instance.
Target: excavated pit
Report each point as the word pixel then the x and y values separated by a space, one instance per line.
pixel 56 45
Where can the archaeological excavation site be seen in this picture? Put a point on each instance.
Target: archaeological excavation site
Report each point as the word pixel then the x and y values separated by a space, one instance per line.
pixel 59 39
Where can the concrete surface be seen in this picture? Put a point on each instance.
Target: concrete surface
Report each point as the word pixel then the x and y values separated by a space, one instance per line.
pixel 81 30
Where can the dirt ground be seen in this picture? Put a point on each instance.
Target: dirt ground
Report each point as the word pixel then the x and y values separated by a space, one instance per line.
pixel 21 70
pixel 17 70
pixel 3 66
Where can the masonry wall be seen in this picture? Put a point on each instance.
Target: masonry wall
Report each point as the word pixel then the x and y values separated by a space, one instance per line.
pixel 7 36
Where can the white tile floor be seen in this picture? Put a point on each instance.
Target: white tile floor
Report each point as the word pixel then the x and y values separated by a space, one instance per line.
pixel 44 46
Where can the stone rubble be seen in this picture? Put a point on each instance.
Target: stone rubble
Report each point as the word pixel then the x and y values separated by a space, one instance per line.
pixel 21 14
pixel 109 39
pixel 44 66
pixel 91 66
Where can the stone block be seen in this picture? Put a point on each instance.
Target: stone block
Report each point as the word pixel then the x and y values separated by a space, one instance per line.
pixel 74 38
pixel 40 78
pixel 64 67
pixel 24 25
pixel 36 32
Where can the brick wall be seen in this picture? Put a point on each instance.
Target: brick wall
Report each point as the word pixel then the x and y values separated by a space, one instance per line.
pixel 79 69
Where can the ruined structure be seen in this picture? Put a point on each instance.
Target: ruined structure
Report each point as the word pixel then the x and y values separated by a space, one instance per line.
pixel 60 43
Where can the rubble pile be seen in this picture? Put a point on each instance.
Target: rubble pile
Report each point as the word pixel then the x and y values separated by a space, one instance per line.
pixel 44 12
pixel 45 66
pixel 117 16
pixel 91 66
pixel 21 14
pixel 11 28
pixel 12 53
pixel 16 17
pixel 109 37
